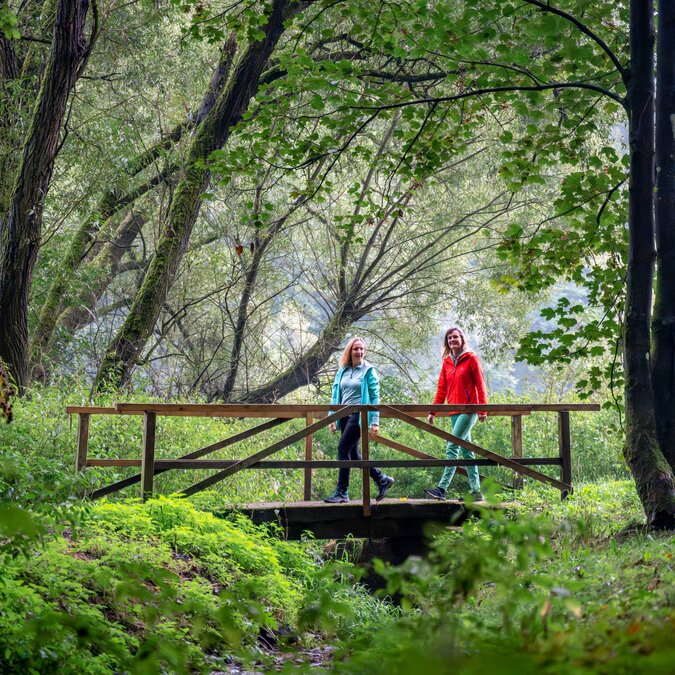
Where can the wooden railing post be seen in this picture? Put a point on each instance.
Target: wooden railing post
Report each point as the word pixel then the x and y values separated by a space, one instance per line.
pixel 565 446
pixel 82 441
pixel 364 454
pixel 148 462
pixel 309 418
pixel 517 447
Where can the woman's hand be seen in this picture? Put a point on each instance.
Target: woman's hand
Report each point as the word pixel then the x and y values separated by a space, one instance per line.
pixel 374 428
pixel 332 427
pixel 430 418
pixel 482 417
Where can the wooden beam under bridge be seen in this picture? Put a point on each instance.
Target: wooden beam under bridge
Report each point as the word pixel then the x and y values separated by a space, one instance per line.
pixel 388 519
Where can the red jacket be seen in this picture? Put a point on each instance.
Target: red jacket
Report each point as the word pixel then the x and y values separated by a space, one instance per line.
pixel 461 383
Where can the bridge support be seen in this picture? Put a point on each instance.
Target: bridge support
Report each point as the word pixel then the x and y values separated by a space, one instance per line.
pixel 393 519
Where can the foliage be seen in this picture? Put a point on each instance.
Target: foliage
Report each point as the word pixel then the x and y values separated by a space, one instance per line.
pixel 120 585
pixel 146 587
pixel 37 453
pixel 558 591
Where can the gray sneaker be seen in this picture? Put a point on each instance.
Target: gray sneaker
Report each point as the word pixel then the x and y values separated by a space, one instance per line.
pixel 338 497
pixel 436 493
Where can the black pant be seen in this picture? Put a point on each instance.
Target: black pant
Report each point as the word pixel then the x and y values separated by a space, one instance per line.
pixel 348 448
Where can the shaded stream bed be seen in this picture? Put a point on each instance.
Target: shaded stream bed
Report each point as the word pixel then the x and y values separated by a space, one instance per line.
pixel 281 649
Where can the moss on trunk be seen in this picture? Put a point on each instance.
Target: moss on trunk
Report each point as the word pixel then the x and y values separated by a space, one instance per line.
pixel 242 83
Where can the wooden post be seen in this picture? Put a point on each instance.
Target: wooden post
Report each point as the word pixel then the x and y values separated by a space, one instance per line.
pixel 308 455
pixel 565 446
pixel 82 441
pixel 148 462
pixel 364 454
pixel 517 447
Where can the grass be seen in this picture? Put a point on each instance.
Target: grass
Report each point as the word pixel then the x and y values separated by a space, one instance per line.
pixel 559 588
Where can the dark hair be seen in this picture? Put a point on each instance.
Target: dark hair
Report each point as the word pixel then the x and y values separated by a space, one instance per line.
pixel 446 350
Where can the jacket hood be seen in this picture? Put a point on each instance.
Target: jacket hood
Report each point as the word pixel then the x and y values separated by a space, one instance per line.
pixel 462 354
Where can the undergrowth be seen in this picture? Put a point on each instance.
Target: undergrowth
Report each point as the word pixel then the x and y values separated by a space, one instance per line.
pixel 160 587
pixel 167 586
pixel 548 588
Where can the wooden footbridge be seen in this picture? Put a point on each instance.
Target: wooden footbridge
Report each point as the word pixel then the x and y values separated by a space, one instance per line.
pixel 390 518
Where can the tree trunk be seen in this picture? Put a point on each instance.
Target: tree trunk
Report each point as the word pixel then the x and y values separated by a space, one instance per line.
pixel 104 268
pixel 260 245
pixel 663 321
pixel 20 226
pixel 305 370
pixel 8 65
pixel 653 477
pixel 126 347
pixel 250 281
pixel 62 279
pixel 109 205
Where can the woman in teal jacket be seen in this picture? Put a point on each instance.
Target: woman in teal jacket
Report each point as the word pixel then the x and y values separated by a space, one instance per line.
pixel 355 382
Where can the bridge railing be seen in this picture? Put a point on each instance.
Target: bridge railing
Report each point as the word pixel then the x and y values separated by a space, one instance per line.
pixel 317 417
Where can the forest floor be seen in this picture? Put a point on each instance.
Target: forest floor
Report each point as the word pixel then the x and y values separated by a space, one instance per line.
pixel 575 587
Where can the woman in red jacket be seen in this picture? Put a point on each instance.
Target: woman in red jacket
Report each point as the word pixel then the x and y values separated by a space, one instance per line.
pixel 461 381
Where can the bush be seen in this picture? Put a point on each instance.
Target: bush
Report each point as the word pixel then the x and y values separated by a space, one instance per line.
pixel 145 583
pixel 556 590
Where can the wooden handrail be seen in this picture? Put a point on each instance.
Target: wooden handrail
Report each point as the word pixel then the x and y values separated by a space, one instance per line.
pixel 317 417
pixel 300 410
pixel 165 464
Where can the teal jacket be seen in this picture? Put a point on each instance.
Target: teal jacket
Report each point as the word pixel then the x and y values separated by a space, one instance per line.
pixel 370 391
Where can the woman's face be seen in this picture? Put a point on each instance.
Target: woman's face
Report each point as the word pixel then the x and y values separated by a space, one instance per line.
pixel 455 341
pixel 358 352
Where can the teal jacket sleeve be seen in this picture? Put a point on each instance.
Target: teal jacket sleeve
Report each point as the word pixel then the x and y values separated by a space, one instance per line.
pixel 373 391
pixel 335 392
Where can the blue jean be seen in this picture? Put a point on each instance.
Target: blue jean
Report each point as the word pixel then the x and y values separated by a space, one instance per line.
pixel 348 448
pixel 461 427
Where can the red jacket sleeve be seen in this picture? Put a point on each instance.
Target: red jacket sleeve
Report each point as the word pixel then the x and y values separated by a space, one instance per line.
pixel 441 387
pixel 479 380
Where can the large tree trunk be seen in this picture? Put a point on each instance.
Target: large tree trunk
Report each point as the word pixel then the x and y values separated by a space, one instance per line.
pixel 21 69
pixel 663 322
pixel 80 245
pixel 21 224
pixel 126 347
pixel 653 477
pixel 104 268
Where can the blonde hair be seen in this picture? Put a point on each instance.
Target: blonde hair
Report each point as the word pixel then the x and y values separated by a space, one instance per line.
pixel 446 350
pixel 346 358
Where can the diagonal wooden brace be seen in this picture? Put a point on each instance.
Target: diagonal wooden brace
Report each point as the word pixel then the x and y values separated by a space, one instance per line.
pixel 241 436
pixel 395 445
pixel 279 445
pixel 499 459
